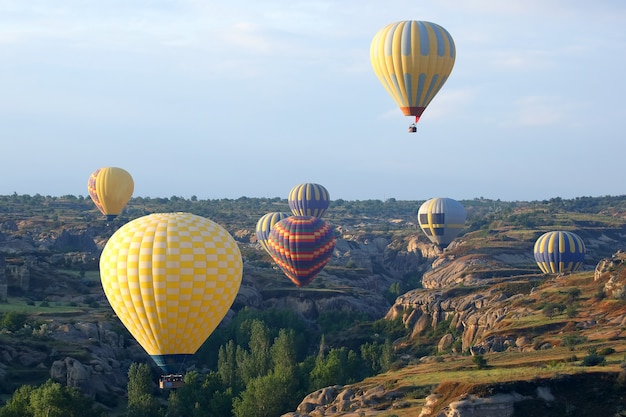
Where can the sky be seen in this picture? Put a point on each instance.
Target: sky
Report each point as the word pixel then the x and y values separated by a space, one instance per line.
pixel 248 98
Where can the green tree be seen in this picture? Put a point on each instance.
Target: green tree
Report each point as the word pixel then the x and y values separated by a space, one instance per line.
pixel 265 396
pixel 13 320
pixel 19 404
pixel 49 400
pixel 256 361
pixel 141 402
pixel 339 366
pixel 200 397
pixel 227 366
pixel 283 350
pixel 480 361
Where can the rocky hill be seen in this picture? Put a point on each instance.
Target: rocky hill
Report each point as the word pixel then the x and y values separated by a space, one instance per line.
pixel 482 297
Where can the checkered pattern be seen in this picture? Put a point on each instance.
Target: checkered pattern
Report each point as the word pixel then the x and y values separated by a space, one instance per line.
pixel 171 278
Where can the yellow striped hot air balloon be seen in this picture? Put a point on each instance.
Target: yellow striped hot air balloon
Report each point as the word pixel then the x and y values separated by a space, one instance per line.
pixel 171 278
pixel 308 199
pixel 412 59
pixel 559 252
pixel 264 226
pixel 110 189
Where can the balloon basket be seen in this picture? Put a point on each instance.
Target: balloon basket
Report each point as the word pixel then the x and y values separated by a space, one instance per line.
pixel 171 381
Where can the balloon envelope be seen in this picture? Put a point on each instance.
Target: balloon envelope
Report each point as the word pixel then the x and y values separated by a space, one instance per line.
pixel 110 189
pixel 171 278
pixel 265 224
pixel 442 219
pixel 308 200
pixel 412 59
pixel 301 246
pixel 558 252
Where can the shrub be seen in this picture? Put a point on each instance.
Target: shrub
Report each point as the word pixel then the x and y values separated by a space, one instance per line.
pixel 480 361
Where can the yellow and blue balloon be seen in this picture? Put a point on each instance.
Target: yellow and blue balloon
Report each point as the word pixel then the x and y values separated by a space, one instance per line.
pixel 308 199
pixel 264 226
pixel 442 220
pixel 558 252
pixel 412 59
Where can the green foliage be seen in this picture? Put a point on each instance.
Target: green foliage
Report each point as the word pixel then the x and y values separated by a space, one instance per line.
pixel 552 309
pixel 238 330
pixel 270 395
pixel 392 329
pixel 593 358
pixel 479 361
pixel 393 292
pixel 377 357
pixel 141 402
pixel 13 320
pixel 572 340
pixel 340 366
pixel 49 400
pixel 200 397
pixel 606 351
pixel 336 321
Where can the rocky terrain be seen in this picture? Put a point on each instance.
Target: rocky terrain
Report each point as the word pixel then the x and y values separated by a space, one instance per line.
pixel 483 296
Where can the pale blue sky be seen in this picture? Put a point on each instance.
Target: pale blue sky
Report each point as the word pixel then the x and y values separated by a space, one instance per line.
pixel 196 97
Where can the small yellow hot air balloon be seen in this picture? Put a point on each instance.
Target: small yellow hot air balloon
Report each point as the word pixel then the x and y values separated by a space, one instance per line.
pixel 110 189
pixel 171 278
pixel 412 59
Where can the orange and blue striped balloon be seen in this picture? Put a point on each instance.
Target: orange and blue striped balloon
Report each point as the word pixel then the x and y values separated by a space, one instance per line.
pixel 301 246
pixel 559 252
pixel 308 200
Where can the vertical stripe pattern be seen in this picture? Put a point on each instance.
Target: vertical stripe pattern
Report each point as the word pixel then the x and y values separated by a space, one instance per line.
pixel 264 226
pixel 110 189
pixel 308 200
pixel 559 252
pixel 413 60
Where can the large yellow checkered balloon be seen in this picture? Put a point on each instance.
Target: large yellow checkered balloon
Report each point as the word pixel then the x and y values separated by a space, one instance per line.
pixel 171 278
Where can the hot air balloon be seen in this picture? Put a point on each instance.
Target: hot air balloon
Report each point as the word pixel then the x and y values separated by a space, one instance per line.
pixel 171 278
pixel 301 246
pixel 110 189
pixel 559 252
pixel 442 219
pixel 265 224
pixel 412 59
pixel 308 200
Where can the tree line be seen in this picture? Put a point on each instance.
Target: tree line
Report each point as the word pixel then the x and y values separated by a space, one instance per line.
pixel 260 365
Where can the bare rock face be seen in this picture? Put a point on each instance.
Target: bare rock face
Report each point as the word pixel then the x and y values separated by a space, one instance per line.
pixel 499 405
pixel 75 242
pixel 612 272
pixel 344 401
pixel 471 315
pixel 73 374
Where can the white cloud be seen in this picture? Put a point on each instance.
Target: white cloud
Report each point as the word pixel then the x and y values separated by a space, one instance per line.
pixel 537 111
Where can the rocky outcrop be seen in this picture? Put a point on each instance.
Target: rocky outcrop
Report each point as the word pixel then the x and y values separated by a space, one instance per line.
pixel 499 405
pixel 347 401
pixel 612 273
pixel 74 242
pixel 469 315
